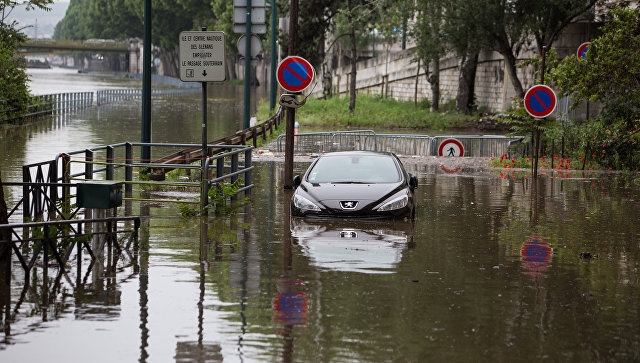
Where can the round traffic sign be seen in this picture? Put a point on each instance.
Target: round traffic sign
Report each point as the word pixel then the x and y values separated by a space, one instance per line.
pixel 583 49
pixel 540 101
pixel 451 147
pixel 295 74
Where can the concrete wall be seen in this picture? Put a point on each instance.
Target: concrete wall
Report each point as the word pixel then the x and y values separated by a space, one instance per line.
pixel 393 73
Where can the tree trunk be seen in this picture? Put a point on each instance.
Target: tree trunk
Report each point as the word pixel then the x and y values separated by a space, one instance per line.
pixel 170 63
pixel 434 81
pixel 415 88
pixel 231 68
pixel 352 81
pixel 510 61
pixel 466 84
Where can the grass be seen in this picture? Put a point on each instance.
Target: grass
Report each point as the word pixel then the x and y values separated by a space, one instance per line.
pixel 375 111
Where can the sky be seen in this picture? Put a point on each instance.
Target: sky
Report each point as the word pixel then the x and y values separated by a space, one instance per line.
pixel 46 20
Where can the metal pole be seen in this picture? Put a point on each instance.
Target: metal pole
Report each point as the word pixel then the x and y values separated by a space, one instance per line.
pixel 247 68
pixel 146 84
pixel 274 56
pixel 291 112
pixel 204 123
pixel 536 144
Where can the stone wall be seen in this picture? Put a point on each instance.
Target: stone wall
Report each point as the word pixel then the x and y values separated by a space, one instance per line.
pixel 393 74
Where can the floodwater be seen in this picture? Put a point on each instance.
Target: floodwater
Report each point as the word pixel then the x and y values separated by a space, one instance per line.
pixel 496 267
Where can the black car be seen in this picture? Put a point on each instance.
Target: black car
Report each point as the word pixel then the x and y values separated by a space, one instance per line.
pixel 355 184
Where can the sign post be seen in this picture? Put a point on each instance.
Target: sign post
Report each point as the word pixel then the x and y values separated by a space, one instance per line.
pixel 539 101
pixel 294 74
pixel 248 18
pixel 202 59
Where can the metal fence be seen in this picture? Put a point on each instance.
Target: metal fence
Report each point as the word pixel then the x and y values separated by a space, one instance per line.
pixel 59 103
pixel 47 186
pixel 401 144
pixel 56 103
pixel 115 95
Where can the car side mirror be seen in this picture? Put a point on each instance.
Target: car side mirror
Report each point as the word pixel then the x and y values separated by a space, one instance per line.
pixel 297 181
pixel 413 182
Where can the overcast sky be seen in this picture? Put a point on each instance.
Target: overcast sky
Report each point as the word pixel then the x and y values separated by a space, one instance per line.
pixel 46 20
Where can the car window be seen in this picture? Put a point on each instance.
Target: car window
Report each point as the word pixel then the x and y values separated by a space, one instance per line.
pixel 355 169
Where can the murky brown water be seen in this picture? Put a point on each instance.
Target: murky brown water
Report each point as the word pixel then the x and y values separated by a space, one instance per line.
pixel 490 271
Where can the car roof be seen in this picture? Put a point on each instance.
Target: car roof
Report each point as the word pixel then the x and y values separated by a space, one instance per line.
pixel 359 152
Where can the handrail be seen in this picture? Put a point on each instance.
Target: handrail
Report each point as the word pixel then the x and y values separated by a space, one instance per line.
pixel 68 222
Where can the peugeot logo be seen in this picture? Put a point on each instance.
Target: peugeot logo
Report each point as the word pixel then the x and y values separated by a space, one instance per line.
pixel 348 204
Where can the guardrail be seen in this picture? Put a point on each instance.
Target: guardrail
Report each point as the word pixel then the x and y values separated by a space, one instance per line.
pixel 46 185
pixel 56 103
pixel 43 235
pixel 401 144
pixel 115 95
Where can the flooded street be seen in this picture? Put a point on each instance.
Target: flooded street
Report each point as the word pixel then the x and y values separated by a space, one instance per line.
pixel 496 267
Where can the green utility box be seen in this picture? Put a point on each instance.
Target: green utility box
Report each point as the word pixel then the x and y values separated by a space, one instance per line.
pixel 99 194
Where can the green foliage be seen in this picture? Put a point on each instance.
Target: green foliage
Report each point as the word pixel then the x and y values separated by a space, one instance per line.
pixel 376 111
pixel 14 94
pixel 220 194
pixel 610 72
pixel 428 32
pixel 187 210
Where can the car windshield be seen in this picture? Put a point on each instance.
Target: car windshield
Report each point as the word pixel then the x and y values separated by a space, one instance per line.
pixel 367 169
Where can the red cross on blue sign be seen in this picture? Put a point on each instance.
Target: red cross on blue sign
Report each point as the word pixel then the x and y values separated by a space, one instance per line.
pixel 295 74
pixel 540 101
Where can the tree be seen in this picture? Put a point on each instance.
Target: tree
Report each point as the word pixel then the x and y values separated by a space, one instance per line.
pixel 611 71
pixel 548 18
pixel 430 45
pixel 74 24
pixel 354 20
pixel 14 93
pixel 465 38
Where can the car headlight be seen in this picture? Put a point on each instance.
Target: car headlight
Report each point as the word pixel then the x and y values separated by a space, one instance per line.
pixel 303 203
pixel 394 203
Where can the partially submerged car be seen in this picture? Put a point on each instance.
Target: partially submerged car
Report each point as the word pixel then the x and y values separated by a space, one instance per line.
pixel 355 184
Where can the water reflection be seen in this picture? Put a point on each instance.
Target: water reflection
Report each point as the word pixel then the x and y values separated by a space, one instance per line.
pixel 536 255
pixel 88 290
pixel 353 246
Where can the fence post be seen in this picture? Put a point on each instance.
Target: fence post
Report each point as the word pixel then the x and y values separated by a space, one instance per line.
pixel 219 173
pixel 234 168
pixel 128 170
pixel 26 197
pixel 247 173
pixel 66 178
pixel 88 167
pixel 109 175
pixel 53 190
pixel 204 198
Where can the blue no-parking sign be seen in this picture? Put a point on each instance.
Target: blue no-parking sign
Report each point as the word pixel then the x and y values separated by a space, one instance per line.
pixel 295 74
pixel 540 101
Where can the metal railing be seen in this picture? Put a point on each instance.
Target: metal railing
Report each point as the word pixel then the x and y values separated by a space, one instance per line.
pixel 50 104
pixel 43 234
pixel 401 144
pixel 47 185
pixel 116 95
